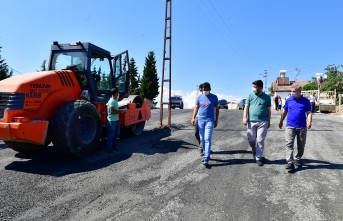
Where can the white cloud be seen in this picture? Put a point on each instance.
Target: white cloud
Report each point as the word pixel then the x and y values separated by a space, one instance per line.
pixel 188 97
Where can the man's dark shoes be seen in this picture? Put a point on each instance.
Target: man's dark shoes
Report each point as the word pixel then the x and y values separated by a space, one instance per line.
pixel 290 166
pixel 204 162
pixel 298 163
pixel 114 149
pixel 259 162
pixel 110 150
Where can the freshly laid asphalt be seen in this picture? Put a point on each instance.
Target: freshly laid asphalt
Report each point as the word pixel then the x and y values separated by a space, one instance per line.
pixel 159 176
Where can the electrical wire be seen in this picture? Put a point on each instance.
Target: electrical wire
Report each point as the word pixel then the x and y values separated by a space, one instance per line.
pixel 235 36
pixel 14 69
pixel 218 23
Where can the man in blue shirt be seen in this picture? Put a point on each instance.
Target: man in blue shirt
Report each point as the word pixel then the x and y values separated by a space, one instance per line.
pixel 206 103
pixel 299 120
pixel 256 117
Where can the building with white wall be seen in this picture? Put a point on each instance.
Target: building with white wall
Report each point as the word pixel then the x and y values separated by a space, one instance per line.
pixel 282 86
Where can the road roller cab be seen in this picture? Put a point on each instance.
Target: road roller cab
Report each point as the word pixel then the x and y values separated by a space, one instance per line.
pixel 67 104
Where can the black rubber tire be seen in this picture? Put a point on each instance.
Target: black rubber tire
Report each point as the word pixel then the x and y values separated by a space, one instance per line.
pixel 137 129
pixel 77 128
pixel 24 147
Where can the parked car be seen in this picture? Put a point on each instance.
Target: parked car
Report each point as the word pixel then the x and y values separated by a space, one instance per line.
pixel 241 104
pixel 222 104
pixel 176 102
pixel 233 105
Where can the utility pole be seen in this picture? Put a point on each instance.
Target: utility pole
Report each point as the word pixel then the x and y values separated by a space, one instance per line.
pixel 297 71
pixel 167 59
pixel 265 75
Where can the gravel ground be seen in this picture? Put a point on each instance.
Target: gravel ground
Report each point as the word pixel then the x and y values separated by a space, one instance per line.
pixel 159 176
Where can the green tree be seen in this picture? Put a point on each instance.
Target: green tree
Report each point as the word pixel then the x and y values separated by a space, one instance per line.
pixel 105 82
pixel 134 78
pixel 149 82
pixel 334 78
pixel 271 91
pixel 99 71
pixel 43 66
pixel 94 70
pixel 310 86
pixel 4 69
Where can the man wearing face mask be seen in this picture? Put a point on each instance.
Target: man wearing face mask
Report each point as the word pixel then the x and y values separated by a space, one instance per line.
pixel 299 120
pixel 256 117
pixel 113 126
pixel 207 106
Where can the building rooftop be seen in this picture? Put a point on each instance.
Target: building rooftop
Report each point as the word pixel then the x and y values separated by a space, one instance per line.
pixel 286 88
pixel 283 84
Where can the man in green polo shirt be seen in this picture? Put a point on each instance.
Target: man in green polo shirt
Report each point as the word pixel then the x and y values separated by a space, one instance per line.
pixel 257 119
pixel 113 127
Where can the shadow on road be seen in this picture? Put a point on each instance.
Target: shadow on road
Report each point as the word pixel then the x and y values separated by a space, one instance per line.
pixel 277 162
pixel 221 163
pixel 51 162
pixel 169 145
pixel 231 152
pixel 309 164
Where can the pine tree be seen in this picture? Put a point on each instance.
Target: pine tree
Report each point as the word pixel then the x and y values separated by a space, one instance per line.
pixel 149 82
pixel 105 82
pixel 43 66
pixel 4 70
pixel 134 78
pixel 99 71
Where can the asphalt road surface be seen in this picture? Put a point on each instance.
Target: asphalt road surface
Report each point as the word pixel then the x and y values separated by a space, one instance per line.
pixel 159 176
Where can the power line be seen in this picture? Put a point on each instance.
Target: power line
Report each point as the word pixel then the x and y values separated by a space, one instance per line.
pixel 215 23
pixel 225 32
pixel 233 34
pixel 297 71
pixel 14 69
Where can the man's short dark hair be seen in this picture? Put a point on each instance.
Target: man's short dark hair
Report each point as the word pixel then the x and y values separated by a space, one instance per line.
pixel 258 83
pixel 201 86
pixel 297 87
pixel 206 85
pixel 114 91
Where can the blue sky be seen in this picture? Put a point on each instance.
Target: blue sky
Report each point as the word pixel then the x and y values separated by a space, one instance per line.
pixel 227 43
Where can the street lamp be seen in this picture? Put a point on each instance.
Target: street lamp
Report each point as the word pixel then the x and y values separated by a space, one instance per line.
pixel 320 78
pixel 265 75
